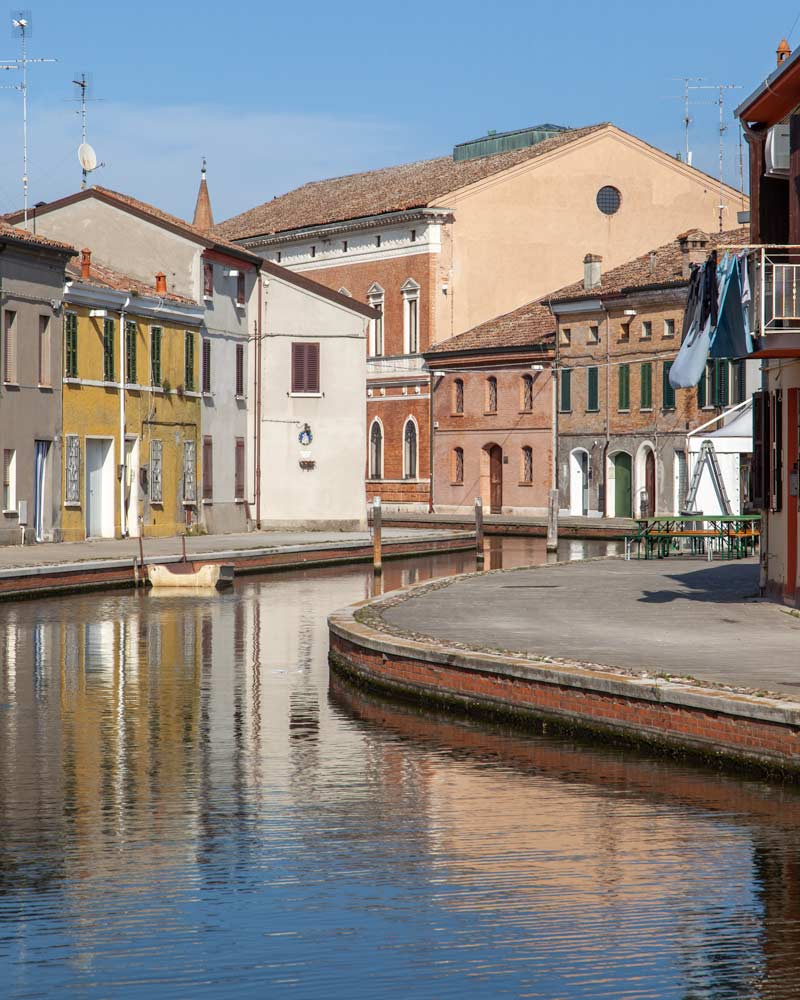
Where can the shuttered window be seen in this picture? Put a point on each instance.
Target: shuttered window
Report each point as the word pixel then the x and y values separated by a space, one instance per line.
pixel 646 386
pixel 766 486
pixel 9 479
pixel 592 394
pixel 624 387
pixel 188 361
pixel 71 346
pixel 208 469
pixel 702 390
pixel 739 381
pixel 206 365
pixel 721 383
pixel 44 351
pixel 667 392
pixel 240 370
pixel 240 288
pixel 238 484
pixel 10 347
pixel 155 355
pixel 305 367
pixel 108 350
pixel 130 352
pixel 565 401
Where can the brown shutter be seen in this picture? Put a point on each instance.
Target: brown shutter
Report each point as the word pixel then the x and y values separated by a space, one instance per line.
pixel 239 470
pixel 44 350
pixel 10 347
pixel 208 469
pixel 305 367
pixel 777 450
pixel 760 464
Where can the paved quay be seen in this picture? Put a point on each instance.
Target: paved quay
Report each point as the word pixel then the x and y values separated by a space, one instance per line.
pixel 669 616
pixel 569 526
pixel 53 567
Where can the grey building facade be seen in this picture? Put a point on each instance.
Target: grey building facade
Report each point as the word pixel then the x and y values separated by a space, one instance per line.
pixel 31 291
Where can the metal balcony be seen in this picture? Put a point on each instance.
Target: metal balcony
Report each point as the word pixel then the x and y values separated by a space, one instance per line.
pixel 775 283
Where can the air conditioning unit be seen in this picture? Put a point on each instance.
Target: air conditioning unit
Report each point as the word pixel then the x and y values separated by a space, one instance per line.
pixel 776 153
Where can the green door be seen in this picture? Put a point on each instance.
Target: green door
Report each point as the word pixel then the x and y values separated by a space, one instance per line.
pixel 622 485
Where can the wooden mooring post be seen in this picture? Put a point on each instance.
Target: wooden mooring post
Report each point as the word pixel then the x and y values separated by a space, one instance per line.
pixel 552 521
pixel 377 565
pixel 479 530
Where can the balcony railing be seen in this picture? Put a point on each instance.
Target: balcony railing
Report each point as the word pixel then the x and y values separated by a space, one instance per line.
pixel 775 284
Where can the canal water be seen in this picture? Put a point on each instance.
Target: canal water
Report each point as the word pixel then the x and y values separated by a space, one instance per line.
pixel 189 807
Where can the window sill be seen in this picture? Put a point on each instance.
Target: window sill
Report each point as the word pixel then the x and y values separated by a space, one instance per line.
pixel 207 501
pixel 208 298
pixel 72 380
pixel 565 412
pixel 44 387
pixel 10 513
pixel 239 500
pixel 305 395
pixel 490 413
pixel 187 503
pixel 11 385
pixel 457 482
pixel 667 409
pixel 72 504
pixel 525 484
pixel 594 409
pixel 524 413
pixel 160 503
pixel 240 399
pixel 623 409
pixel 456 414
pixel 240 305
pixel 645 409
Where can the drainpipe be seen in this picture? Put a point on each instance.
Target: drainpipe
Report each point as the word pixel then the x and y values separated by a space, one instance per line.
pixel 608 411
pixel 430 446
pixel 123 526
pixel 263 288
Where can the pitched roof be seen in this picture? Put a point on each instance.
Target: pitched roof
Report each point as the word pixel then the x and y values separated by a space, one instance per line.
pixel 150 212
pixel 659 268
pixel 530 324
pixel 102 276
pixel 18 235
pixel 391 189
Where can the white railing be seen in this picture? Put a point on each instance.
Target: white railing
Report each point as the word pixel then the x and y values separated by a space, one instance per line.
pixel 775 281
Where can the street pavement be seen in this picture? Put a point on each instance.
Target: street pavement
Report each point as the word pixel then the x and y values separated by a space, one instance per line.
pixel 673 616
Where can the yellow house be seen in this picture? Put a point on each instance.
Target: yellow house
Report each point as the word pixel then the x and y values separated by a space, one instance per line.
pixel 131 406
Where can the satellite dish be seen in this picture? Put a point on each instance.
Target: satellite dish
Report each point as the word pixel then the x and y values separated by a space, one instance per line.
pixel 87 157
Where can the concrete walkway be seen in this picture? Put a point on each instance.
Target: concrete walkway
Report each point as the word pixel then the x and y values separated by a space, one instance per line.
pixel 678 617
pixel 70 553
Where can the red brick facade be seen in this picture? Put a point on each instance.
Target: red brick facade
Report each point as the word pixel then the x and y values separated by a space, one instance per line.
pixel 392 409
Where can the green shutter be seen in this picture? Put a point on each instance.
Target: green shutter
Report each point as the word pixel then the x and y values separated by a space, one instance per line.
pixel 592 397
pixel 667 391
pixel 108 350
pixel 646 386
pixel 721 383
pixel 130 352
pixel 188 374
pixel 566 390
pixel 624 387
pixel 71 346
pixel 155 355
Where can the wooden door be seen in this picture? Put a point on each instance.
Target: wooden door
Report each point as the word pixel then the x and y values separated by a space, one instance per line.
pixel 496 478
pixel 622 485
pixel 650 483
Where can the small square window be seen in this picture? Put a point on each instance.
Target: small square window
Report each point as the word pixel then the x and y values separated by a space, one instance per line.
pixel 313 250
pixel 647 330
pixel 378 240
pixel 625 331
pixel 669 327
pixel 413 236
pixel 566 336
pixel 594 334
pixel 344 246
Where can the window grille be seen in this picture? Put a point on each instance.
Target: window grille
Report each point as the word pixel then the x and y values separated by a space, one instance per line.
pixel 72 477
pixel 156 474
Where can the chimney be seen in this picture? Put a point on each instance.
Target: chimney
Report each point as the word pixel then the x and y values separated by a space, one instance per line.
pixel 783 51
pixel 161 283
pixel 591 271
pixel 694 250
pixel 86 262
pixel 653 262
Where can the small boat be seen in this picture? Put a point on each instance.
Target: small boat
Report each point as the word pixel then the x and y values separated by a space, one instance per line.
pixel 191 574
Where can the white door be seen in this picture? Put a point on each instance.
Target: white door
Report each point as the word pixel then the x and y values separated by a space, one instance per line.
pixel 97 455
pixel 579 483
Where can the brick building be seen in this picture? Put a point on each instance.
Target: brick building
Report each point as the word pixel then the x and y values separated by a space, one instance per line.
pixel 622 430
pixel 444 245
pixel 492 412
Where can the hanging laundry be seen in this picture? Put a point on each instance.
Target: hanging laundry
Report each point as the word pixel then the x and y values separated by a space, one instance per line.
pixel 731 338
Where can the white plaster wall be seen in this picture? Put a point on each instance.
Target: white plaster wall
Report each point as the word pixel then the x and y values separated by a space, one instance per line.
pixel 125 242
pixel 332 493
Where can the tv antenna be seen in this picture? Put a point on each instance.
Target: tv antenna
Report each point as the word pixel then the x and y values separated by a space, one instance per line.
pixel 687 117
pixel 723 128
pixel 21 26
pixel 86 154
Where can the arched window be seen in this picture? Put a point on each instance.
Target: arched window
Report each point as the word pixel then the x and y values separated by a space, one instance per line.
pixel 527 393
pixel 410 450
pixel 376 451
pixel 458 395
pixel 527 465
pixel 375 297
pixel 491 394
pixel 458 465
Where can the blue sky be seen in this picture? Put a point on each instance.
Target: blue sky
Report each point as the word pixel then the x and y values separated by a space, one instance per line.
pixel 278 94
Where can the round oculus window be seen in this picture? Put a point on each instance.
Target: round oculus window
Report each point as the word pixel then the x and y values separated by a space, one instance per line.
pixel 608 200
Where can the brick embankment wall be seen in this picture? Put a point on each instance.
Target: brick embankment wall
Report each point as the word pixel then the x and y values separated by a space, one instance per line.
pixel 685 716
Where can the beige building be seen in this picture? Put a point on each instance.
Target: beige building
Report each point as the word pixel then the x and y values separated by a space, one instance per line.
pixel 443 245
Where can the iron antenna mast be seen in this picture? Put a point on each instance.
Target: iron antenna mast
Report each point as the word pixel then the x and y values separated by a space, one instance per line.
pixel 723 128
pixel 86 155
pixel 21 25
pixel 687 82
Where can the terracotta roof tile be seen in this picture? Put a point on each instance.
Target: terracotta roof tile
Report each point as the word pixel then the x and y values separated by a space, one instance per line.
pixel 530 324
pixel 661 267
pixel 19 235
pixel 102 276
pixel 392 189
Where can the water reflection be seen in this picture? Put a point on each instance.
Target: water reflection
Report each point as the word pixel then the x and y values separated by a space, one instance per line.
pixel 187 808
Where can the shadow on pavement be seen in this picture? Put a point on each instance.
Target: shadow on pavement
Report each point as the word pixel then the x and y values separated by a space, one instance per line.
pixel 725 583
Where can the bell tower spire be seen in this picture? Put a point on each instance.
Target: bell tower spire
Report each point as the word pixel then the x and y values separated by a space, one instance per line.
pixel 203 218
